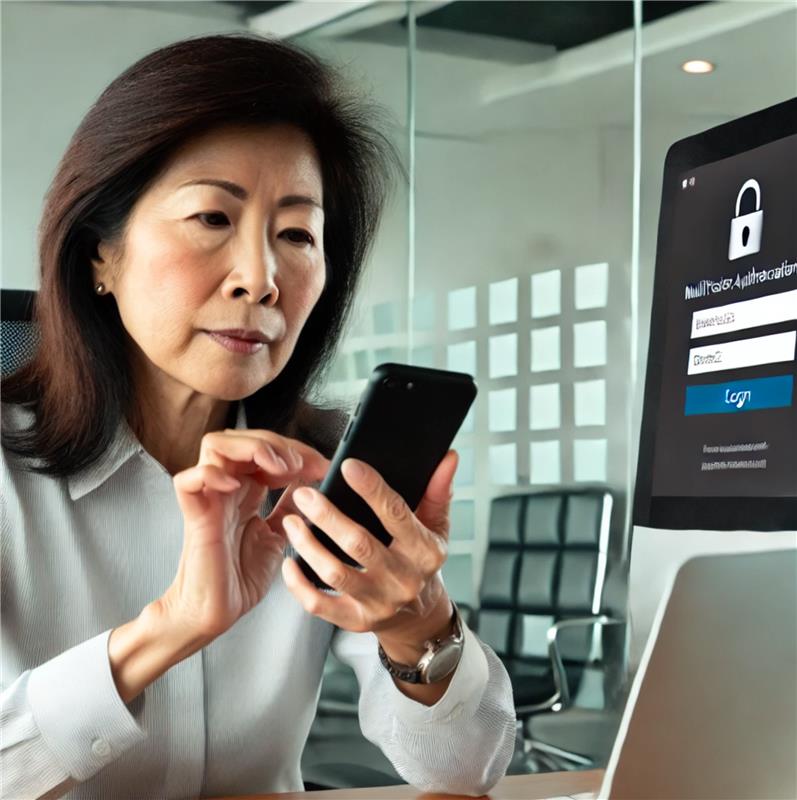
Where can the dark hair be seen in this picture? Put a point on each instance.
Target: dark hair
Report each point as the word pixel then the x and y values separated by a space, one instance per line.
pixel 79 383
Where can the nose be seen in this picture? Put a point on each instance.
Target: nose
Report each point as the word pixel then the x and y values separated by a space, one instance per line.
pixel 255 273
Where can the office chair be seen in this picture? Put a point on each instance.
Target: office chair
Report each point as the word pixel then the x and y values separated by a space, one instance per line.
pixel 19 335
pixel 540 609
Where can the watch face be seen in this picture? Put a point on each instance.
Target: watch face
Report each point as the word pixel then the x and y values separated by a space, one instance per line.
pixel 444 661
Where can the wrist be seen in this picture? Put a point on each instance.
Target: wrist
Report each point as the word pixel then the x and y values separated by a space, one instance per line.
pixel 408 647
pixel 141 650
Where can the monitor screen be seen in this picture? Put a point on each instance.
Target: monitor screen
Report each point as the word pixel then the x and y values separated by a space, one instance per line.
pixel 719 436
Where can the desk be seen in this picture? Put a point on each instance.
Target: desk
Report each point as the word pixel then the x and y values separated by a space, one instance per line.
pixel 512 787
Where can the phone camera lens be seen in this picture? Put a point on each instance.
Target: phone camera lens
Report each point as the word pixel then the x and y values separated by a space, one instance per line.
pixel 390 383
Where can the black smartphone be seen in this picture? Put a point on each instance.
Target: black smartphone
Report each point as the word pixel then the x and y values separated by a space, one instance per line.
pixel 403 425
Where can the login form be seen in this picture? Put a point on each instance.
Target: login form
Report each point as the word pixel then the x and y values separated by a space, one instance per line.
pixel 727 417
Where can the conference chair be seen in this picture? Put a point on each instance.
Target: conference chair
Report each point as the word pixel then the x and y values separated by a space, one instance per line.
pixel 18 333
pixel 541 608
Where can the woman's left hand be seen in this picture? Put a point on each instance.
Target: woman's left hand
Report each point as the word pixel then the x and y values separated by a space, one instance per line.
pixel 400 591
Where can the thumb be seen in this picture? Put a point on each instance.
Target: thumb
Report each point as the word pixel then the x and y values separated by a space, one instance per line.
pixel 284 506
pixel 433 509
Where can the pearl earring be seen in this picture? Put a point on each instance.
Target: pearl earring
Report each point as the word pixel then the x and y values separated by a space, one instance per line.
pixel 99 288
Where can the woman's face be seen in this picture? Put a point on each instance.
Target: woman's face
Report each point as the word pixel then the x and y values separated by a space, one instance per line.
pixel 199 257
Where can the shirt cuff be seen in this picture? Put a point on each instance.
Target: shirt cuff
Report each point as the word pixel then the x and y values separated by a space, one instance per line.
pixel 465 689
pixel 78 710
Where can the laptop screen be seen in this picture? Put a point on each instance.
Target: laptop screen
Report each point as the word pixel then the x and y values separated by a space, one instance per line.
pixel 719 434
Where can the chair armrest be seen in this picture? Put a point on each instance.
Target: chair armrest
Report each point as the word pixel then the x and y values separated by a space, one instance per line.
pixel 559 674
pixel 560 699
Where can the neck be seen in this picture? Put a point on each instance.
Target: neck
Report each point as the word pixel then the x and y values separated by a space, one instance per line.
pixel 173 435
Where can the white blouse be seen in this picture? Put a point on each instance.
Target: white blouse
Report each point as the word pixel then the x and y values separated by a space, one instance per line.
pixel 85 554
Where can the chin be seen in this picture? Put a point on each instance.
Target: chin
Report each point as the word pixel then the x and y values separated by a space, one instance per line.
pixel 244 386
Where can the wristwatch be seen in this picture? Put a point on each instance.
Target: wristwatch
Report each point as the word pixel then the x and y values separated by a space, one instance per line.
pixel 439 660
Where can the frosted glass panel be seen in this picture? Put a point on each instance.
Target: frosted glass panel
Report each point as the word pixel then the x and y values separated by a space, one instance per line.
pixel 457 575
pixel 362 363
pixel 361 321
pixel 589 459
pixel 503 355
pixel 589 343
pixel 545 462
pixel 423 356
pixel 464 474
pixel 462 308
pixel 386 318
pixel 340 368
pixel 461 357
pixel 590 402
pixel 546 293
pixel 503 301
pixel 592 286
pixel 423 312
pixel 467 423
pixel 388 355
pixel 545 349
pixel 463 525
pixel 503 410
pixel 503 463
pixel 544 407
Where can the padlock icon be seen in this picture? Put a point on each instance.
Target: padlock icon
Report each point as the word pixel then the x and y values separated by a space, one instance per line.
pixel 746 229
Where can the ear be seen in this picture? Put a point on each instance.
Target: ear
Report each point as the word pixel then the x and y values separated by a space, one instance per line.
pixel 101 262
pixel 101 255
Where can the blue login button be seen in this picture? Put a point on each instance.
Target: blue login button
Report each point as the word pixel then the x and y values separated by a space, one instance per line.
pixel 749 395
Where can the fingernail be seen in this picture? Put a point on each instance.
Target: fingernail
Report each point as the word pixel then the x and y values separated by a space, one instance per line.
pixel 354 468
pixel 289 524
pixel 304 495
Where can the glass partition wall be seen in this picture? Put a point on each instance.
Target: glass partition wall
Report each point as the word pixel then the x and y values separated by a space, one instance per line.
pixel 507 254
pixel 521 249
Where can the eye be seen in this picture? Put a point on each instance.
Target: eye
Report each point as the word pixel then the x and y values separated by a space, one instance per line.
pixel 303 236
pixel 209 214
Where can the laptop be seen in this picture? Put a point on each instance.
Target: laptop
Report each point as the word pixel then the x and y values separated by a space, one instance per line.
pixel 712 711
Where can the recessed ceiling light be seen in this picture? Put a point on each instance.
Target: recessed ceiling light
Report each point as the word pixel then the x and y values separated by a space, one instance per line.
pixel 697 67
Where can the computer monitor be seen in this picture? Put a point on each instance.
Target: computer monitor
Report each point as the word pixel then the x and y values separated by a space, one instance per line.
pixel 717 467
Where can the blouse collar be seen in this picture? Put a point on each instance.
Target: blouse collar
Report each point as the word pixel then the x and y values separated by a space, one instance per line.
pixel 124 446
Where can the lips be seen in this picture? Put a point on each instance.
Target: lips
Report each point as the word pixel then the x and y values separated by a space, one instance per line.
pixel 242 334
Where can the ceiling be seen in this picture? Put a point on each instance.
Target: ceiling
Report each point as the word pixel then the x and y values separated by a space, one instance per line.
pixel 560 24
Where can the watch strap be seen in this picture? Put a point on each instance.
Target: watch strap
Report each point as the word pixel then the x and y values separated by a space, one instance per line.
pixel 415 674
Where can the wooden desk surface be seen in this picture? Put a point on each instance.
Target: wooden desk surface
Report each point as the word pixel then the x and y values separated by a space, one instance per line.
pixel 513 787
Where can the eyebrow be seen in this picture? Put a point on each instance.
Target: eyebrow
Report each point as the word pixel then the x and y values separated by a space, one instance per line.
pixel 239 192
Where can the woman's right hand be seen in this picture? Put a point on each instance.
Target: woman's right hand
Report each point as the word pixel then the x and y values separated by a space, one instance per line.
pixel 230 554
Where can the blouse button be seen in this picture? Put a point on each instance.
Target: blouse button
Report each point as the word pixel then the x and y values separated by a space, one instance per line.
pixel 101 748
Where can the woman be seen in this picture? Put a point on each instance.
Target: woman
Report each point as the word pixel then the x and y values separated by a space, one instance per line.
pixel 223 183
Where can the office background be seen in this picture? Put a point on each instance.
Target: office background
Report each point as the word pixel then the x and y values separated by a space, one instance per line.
pixel 522 250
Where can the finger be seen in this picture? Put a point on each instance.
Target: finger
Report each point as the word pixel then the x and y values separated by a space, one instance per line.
pixel 292 450
pixel 246 451
pixel 421 547
pixel 341 577
pixel 352 538
pixel 285 505
pixel 191 483
pixel 339 610
pixel 252 454
pixel 434 509
pixel 388 505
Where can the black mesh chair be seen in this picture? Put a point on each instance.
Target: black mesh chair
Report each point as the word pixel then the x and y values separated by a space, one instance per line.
pixel 541 604
pixel 19 336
